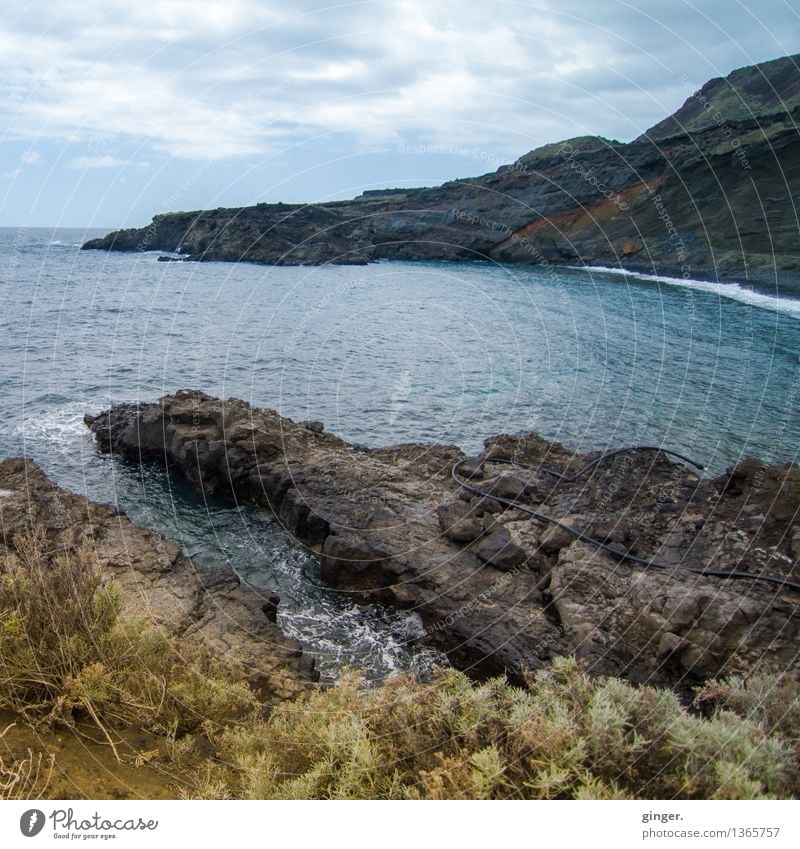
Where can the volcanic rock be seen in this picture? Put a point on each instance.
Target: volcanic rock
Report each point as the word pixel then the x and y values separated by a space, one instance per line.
pixel 376 518
pixel 498 550
pixel 459 521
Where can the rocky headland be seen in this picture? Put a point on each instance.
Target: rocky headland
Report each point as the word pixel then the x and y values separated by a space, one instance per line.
pixel 201 607
pixel 708 192
pixel 616 582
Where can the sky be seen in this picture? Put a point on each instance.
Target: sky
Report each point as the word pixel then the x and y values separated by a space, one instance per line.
pixel 114 112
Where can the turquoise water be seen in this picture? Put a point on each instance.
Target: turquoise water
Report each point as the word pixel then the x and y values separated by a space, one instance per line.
pixel 386 353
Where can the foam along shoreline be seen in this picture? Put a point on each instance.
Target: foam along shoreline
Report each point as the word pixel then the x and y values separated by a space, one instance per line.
pixel 730 291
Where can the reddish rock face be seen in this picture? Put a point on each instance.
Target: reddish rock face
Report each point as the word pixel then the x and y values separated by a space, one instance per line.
pixel 497 586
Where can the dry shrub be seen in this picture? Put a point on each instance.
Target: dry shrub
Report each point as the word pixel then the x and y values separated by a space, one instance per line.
pixel 66 651
pixel 770 701
pixel 26 778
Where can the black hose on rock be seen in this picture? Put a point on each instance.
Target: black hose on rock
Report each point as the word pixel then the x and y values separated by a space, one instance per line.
pixel 585 537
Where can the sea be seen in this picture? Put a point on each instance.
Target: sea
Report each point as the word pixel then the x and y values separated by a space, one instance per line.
pixel 386 353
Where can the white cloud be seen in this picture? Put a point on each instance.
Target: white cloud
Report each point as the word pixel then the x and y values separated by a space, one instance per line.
pixel 208 80
pixel 30 157
pixel 105 161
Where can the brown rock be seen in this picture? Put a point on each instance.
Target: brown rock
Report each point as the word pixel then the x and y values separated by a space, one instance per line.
pixel 381 515
pixel 205 607
pixel 555 537
pixel 459 522
pixel 471 469
pixel 508 486
pixel 671 644
pixel 498 550
pixel 351 561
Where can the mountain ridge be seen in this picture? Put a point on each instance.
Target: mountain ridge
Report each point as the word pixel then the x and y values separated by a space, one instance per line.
pixel 706 192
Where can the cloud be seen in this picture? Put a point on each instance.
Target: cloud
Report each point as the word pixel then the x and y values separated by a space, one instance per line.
pixel 29 157
pixel 207 80
pixel 105 161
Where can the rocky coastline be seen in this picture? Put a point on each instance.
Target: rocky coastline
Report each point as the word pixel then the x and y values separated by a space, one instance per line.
pixel 497 589
pixel 202 608
pixel 706 193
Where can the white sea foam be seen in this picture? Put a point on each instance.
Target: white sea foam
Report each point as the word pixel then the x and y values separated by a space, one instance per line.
pixel 61 426
pixel 730 291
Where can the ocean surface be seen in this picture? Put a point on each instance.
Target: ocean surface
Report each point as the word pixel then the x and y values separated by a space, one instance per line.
pixel 386 353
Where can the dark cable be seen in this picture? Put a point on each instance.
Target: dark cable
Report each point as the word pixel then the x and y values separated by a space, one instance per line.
pixel 571 478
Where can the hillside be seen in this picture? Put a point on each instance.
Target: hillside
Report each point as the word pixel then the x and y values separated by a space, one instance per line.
pixel 709 191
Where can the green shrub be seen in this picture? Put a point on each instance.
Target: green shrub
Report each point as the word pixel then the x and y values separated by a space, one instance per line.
pixel 566 736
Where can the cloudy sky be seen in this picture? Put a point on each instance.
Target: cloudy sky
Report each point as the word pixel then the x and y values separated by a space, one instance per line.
pixel 112 112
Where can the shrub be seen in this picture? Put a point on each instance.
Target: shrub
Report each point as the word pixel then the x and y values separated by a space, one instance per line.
pixel 566 736
pixel 65 650
pixel 769 701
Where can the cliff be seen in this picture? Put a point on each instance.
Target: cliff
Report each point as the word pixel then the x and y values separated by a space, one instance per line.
pixel 707 192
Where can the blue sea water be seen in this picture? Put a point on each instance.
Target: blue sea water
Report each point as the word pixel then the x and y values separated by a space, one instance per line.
pixel 386 353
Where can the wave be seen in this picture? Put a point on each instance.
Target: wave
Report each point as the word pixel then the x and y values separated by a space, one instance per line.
pixel 61 426
pixel 731 291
